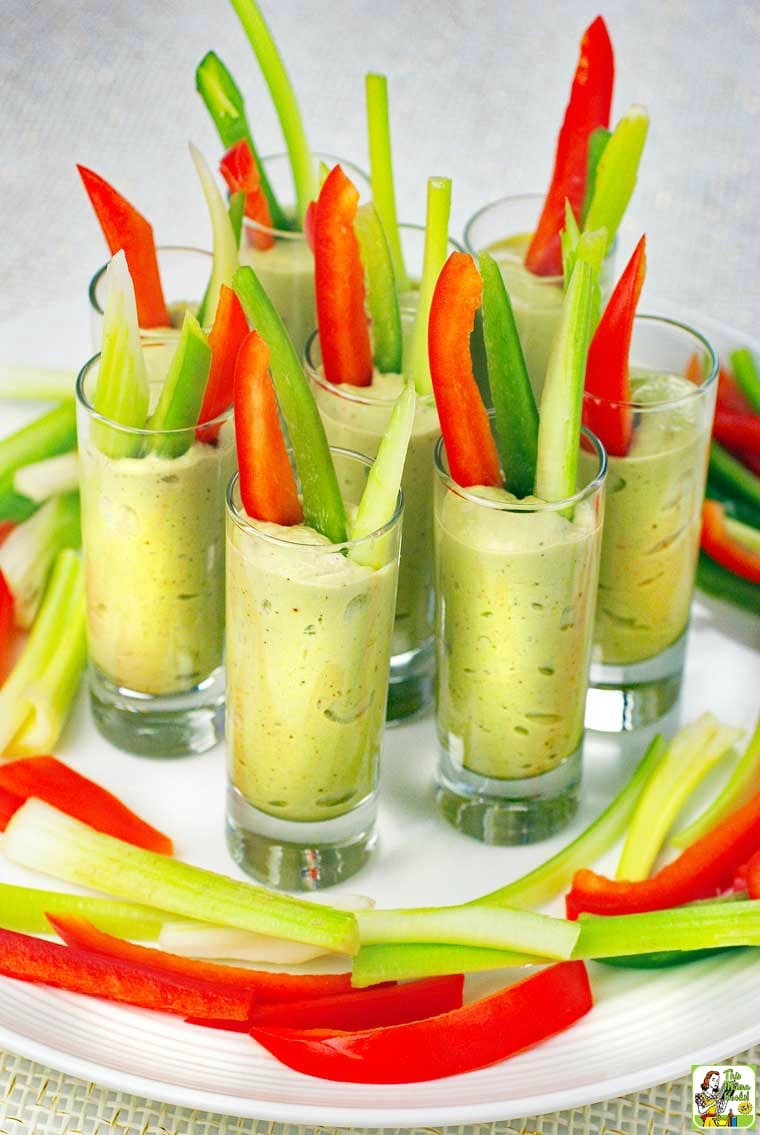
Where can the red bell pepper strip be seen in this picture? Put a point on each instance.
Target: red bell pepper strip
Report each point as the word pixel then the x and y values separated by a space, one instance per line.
pixel 239 169
pixel 9 805
pixel 702 871
pixel 339 284
pixel 606 406
pixel 6 622
pixel 462 1040
pixel 49 779
pixel 748 877
pixel 225 339
pixel 720 545
pixel 123 227
pixel 6 527
pixel 48 963
pixel 308 223
pixel 750 458
pixel 587 110
pixel 267 483
pixel 738 432
pixel 265 987
pixel 470 447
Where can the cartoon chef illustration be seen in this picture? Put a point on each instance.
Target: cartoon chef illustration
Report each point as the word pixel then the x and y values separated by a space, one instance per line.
pixel 711 1105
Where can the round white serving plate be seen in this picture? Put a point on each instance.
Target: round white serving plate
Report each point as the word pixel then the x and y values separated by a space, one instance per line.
pixel 645 1027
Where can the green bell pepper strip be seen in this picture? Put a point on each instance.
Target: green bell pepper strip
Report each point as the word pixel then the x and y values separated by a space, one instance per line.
pixel 322 502
pixel 729 472
pixel 24 909
pixel 382 297
pixel 663 959
pixel 616 173
pixel 226 106
pixel 182 393
pixel 381 170
pixel 715 580
pixel 597 141
pixel 747 375
pixel 417 368
pixel 735 791
pixel 511 391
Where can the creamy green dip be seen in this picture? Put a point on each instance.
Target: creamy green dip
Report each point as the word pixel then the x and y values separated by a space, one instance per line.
pixel 286 272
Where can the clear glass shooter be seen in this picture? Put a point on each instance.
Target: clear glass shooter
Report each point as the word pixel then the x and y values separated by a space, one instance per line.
pixel 185 273
pixel 651 528
pixel 505 228
pixel 281 258
pixel 153 542
pixel 308 647
pixel 515 594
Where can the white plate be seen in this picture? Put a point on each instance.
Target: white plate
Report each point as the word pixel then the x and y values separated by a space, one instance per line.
pixel 644 1029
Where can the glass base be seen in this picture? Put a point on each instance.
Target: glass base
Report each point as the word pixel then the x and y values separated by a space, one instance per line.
pixel 294 855
pixel 410 687
pixel 176 725
pixel 509 812
pixel 622 698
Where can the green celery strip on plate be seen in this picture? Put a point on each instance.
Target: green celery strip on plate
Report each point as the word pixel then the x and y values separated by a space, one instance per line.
pixel 698 926
pixel 382 297
pixel 381 170
pixel 730 473
pixel 28 553
pixel 322 502
pixel 597 142
pixel 47 436
pixel 225 246
pixel 24 909
pixel 36 384
pixel 616 173
pixel 182 393
pixel 405 961
pixel 737 789
pixel 47 478
pixel 747 375
pixel 417 369
pixel 723 584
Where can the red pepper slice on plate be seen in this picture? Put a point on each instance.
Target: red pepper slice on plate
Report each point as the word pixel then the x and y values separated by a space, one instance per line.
pixel 239 169
pixel 702 871
pixel 267 483
pixel 749 876
pixel 723 548
pixel 587 110
pixel 6 622
pixel 265 987
pixel 123 227
pixel 470 447
pixel 225 339
pixel 737 431
pixel 462 1040
pixel 9 805
pixel 49 963
pixel 606 409
pixel 339 284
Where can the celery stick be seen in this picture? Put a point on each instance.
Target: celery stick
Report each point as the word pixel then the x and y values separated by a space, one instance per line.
pixel 49 667
pixel 694 750
pixel 562 398
pixel 417 369
pixel 14 506
pixel 743 533
pixel 226 106
pixel 36 384
pixel 182 393
pixel 283 96
pixel 588 246
pixel 121 392
pixel 24 909
pixel 698 926
pixel 380 496
pixel 381 170
pixel 738 788
pixel 554 876
pixel 568 239
pixel 48 478
pixel 47 436
pixel 28 553
pixel 401 962
pixel 225 247
pixel 747 375
pixel 382 297
pixel 236 211
pixel 616 173
pixel 322 502
pixel 44 839
pixel 469 925
pixel 728 471
pixel 597 143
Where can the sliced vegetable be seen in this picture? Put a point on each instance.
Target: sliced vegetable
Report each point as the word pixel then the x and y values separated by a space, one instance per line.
pixel 696 927
pixel 37 384
pixel 9 804
pixel 382 297
pixel 381 170
pixel 589 246
pixel 225 246
pixel 735 546
pixel 597 142
pixel 26 909
pixel 6 623
pixel 747 376
pixel 417 366
pixel 236 212
pixel 225 339
pixel 52 433
pixel 28 554
pixel 715 580
pixel 380 496
pixel 736 790
pixel 182 393
pixel 241 171
pixel 405 960
pixel 43 479
pixel 616 173
pixel 752 875
pixel 737 432
pixel 730 473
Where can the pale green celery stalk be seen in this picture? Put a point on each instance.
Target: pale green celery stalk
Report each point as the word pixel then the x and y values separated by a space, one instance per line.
pixel 47 436
pixel 568 239
pixel 381 170
pixel 236 211
pixel 382 297
pixel 697 926
pixel 616 173
pixel 401 962
pixel 182 393
pixel 737 789
pixel 597 144
pixel 378 503
pixel 121 392
pixel 283 96
pixel 225 247
pixel 747 375
pixel 562 398
pixel 43 479
pixel 467 925
pixel 36 696
pixel 28 553
pixel 36 384
pixel 694 750
pixel 417 368
pixel 44 839
pixel 554 876
pixel 24 909
pixel 226 106
pixel 743 533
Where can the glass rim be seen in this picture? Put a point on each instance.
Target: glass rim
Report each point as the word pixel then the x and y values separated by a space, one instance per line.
pixel 245 524
pixel 520 506
pixel 92 287
pixel 298 234
pixel 345 390
pixel 137 431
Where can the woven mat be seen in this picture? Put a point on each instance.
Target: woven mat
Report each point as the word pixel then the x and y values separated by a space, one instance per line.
pixel 38 1101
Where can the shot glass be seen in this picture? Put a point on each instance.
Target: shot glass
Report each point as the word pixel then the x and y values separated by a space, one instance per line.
pixel 505 229
pixel 308 646
pixel 184 272
pixel 651 528
pixel 153 542
pixel 515 594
